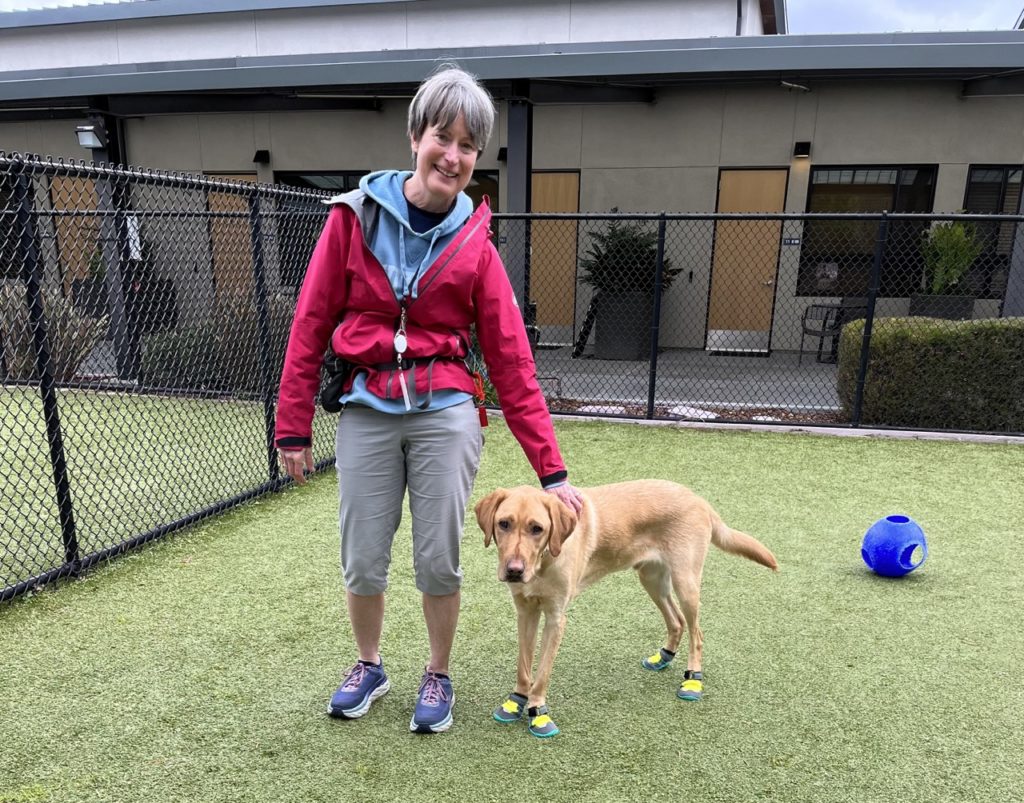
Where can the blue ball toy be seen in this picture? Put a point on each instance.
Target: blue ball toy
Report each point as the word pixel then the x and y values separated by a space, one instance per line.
pixel 889 546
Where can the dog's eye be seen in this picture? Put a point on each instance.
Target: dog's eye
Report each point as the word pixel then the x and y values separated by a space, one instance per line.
pixel 536 529
pixel 503 524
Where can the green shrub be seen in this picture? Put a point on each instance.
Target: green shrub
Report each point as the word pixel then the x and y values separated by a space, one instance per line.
pixel 222 354
pixel 624 258
pixel 70 334
pixel 183 359
pixel 949 250
pixel 934 374
pixel 238 341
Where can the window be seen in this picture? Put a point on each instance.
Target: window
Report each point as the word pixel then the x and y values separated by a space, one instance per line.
pixel 297 239
pixel 837 255
pixel 332 181
pixel 993 190
pixel 484 182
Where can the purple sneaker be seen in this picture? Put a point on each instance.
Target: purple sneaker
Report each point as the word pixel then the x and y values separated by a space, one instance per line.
pixel 363 684
pixel 433 712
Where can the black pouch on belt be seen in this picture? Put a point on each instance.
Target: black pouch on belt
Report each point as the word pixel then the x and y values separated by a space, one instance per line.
pixel 336 372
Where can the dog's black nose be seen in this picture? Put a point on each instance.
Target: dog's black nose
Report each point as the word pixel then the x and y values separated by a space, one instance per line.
pixel 514 570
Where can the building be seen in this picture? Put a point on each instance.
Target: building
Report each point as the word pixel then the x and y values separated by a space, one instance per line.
pixel 686 106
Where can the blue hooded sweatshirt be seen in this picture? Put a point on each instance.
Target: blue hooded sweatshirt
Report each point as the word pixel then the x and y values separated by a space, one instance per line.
pixel 405 254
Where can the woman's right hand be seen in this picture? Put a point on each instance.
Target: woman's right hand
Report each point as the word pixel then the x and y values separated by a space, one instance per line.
pixel 297 462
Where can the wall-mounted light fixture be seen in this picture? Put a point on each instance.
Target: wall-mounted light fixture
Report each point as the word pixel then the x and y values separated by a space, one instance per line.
pixel 91 136
pixel 502 154
pixel 261 157
pixel 801 150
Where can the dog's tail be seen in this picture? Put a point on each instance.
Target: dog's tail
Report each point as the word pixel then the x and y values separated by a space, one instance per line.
pixel 726 538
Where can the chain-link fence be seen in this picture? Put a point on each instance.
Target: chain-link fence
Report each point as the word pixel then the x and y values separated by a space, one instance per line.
pixel 143 320
pixel 739 317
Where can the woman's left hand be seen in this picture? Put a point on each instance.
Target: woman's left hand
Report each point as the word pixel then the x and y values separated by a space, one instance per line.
pixel 570 496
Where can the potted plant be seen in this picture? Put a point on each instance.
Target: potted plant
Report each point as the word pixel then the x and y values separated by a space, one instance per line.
pixel 949 249
pixel 621 265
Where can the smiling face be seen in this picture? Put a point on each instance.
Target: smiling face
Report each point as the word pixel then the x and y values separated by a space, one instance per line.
pixel 524 522
pixel 445 158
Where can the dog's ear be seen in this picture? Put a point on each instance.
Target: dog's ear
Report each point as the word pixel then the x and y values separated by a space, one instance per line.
pixel 563 522
pixel 485 510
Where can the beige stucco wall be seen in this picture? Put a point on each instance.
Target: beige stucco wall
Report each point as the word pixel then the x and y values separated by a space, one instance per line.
pixel 637 157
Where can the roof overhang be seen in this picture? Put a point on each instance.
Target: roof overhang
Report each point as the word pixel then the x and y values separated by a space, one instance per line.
pixel 650 64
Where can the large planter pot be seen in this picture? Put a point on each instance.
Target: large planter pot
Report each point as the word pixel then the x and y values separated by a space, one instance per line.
pixel 949 307
pixel 623 323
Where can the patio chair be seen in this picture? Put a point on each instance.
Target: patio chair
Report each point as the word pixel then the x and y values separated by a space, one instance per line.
pixel 825 322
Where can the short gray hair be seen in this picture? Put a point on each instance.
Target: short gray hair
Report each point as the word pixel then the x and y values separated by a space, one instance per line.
pixel 445 95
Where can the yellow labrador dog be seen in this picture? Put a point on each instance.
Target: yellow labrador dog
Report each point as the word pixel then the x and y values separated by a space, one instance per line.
pixel 547 557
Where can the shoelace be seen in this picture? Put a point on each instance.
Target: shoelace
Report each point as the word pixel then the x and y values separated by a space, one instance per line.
pixel 431 690
pixel 354 677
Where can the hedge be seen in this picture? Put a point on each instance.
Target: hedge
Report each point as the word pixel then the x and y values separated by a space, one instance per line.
pixel 929 373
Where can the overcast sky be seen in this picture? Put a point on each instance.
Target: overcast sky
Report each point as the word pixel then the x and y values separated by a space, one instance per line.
pixel 866 16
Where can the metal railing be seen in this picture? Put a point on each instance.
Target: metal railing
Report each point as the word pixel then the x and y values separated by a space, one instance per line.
pixel 144 316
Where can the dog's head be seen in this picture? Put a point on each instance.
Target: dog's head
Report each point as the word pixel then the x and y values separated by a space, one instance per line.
pixel 523 523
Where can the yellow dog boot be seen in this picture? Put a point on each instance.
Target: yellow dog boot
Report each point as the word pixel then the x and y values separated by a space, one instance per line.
pixel 541 724
pixel 659 661
pixel 511 710
pixel 692 689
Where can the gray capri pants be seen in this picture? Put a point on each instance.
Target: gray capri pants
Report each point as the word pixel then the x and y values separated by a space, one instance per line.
pixel 436 455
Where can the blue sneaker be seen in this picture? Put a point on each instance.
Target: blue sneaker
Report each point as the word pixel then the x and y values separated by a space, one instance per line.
pixel 433 712
pixel 363 684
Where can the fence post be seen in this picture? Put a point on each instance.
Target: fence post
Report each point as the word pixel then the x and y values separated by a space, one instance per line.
pixel 32 273
pixel 116 254
pixel 865 344
pixel 659 274
pixel 263 319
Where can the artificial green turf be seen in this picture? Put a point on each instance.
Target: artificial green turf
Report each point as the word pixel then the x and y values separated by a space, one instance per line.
pixel 133 462
pixel 199 669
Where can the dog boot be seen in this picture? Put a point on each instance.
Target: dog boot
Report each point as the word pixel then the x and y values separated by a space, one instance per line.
pixel 660 660
pixel 511 710
pixel 692 689
pixel 541 724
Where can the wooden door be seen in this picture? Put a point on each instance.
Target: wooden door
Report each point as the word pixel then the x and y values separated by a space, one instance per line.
pixel 746 260
pixel 230 237
pixel 78 232
pixel 553 254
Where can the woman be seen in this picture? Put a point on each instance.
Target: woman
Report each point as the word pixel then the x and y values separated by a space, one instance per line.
pixel 402 270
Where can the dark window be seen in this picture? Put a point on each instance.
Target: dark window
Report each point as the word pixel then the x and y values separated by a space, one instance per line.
pixel 296 237
pixel 333 181
pixel 993 190
pixel 837 254
pixel 484 182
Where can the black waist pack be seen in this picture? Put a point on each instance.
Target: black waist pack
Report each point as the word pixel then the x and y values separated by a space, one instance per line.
pixel 336 372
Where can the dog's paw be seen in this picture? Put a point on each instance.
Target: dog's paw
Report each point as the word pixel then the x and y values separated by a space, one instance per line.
pixel 511 710
pixel 660 660
pixel 541 724
pixel 692 688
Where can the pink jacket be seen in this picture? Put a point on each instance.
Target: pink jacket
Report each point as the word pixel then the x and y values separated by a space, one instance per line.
pixel 346 300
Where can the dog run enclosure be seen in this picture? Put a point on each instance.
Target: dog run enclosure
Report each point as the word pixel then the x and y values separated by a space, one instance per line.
pixel 144 316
